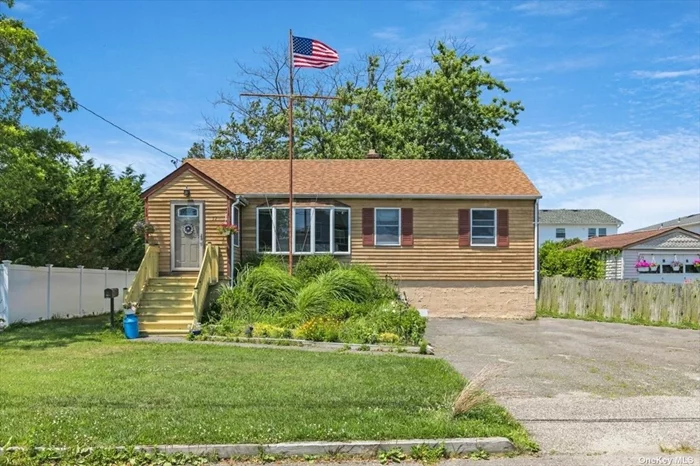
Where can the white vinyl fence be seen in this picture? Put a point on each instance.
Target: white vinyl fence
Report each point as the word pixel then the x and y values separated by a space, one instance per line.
pixel 37 293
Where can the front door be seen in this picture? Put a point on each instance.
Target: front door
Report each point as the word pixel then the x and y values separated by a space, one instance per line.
pixel 187 236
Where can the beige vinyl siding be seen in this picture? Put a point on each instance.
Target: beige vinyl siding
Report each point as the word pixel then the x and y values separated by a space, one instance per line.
pixel 435 254
pixel 215 207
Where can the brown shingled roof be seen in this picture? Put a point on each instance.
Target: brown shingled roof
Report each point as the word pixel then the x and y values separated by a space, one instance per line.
pixel 623 240
pixel 371 177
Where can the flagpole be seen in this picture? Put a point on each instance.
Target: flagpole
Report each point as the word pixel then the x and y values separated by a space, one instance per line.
pixel 291 146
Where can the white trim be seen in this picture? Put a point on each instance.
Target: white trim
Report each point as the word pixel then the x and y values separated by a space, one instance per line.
pixel 274 251
pixel 172 234
pixel 398 236
pixel 471 228
pixel 392 196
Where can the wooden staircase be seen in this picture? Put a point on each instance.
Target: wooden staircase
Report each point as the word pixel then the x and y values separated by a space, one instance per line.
pixel 165 307
pixel 169 305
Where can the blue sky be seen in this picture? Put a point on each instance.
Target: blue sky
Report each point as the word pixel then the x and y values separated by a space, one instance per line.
pixel 611 88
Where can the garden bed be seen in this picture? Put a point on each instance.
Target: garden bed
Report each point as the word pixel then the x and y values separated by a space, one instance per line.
pixel 322 301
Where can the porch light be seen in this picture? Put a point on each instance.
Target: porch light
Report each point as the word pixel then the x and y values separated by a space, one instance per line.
pixel 186 191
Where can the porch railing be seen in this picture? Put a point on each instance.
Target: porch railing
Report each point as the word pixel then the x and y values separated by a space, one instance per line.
pixel 147 270
pixel 208 275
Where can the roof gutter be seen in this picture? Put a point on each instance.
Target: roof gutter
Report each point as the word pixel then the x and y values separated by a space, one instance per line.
pixel 395 196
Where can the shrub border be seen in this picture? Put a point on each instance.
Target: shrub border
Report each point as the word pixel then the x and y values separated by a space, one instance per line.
pixel 355 448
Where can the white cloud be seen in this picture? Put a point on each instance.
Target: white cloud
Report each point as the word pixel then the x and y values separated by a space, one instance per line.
pixel 24 7
pixel 556 8
pixel 524 79
pixel 666 74
pixel 679 58
pixel 641 177
pixel 573 64
pixel 392 34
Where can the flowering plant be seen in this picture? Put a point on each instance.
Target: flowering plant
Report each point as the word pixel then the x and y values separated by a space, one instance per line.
pixel 696 263
pixel 143 228
pixel 642 263
pixel 227 229
pixel 676 264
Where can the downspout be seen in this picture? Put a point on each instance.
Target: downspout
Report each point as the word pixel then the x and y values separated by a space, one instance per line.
pixel 537 249
pixel 232 260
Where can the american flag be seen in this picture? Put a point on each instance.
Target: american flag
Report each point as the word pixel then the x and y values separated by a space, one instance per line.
pixel 311 53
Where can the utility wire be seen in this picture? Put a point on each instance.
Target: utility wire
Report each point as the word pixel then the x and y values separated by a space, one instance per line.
pixel 175 159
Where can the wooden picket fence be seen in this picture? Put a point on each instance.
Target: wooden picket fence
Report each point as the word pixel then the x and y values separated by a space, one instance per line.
pixel 620 300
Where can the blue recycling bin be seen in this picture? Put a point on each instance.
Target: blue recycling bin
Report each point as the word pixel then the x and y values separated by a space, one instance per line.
pixel 131 326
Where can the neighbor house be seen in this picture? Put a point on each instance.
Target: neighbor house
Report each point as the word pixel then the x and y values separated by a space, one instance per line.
pixel 671 254
pixel 559 224
pixel 689 222
pixel 458 236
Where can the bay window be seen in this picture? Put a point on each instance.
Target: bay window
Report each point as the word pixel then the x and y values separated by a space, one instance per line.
pixel 315 230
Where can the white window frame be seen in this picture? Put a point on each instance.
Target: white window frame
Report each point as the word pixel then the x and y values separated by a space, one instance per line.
pixel 331 209
pixel 602 235
pixel 236 213
pixel 471 228
pixel 398 237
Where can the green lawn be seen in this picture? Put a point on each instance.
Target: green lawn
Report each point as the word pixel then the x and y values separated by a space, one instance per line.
pixel 74 383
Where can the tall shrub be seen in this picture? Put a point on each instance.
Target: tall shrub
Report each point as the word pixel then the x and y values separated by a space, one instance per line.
pixel 578 262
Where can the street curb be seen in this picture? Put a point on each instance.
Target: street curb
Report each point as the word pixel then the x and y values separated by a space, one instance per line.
pixel 454 446
pixel 290 343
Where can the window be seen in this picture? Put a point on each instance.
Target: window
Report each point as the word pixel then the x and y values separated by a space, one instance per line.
pixel 236 217
pixel 188 212
pixel 591 233
pixel 341 230
pixel 387 226
pixel 322 225
pixel 265 230
pixel 560 233
pixel 602 232
pixel 321 230
pixel 483 227
pixel 302 230
pixel 281 230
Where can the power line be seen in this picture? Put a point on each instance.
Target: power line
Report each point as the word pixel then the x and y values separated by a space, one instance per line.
pixel 175 159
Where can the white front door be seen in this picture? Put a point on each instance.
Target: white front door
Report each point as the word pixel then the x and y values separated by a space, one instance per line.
pixel 187 235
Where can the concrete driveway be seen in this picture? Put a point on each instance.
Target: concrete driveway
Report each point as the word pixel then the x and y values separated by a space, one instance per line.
pixel 587 388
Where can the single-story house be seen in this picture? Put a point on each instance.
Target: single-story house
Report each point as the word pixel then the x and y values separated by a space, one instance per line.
pixel 559 224
pixel 459 236
pixel 670 252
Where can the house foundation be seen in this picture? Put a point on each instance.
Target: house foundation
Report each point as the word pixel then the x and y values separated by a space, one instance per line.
pixel 474 299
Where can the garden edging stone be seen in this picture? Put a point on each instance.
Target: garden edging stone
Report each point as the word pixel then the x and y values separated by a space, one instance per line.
pixel 454 446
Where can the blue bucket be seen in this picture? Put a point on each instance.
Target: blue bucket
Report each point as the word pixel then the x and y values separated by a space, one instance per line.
pixel 131 326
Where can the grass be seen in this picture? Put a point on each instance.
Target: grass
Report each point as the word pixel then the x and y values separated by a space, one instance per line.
pixel 74 383
pixel 617 320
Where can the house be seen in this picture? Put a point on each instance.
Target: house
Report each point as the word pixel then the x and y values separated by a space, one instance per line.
pixel 559 224
pixel 689 222
pixel 457 235
pixel 671 253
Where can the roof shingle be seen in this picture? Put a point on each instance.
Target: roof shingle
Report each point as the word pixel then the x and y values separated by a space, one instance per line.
pixel 371 177
pixel 623 240
pixel 577 217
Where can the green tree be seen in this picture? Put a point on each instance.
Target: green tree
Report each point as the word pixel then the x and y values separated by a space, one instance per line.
pixel 55 207
pixel 557 258
pixel 451 109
